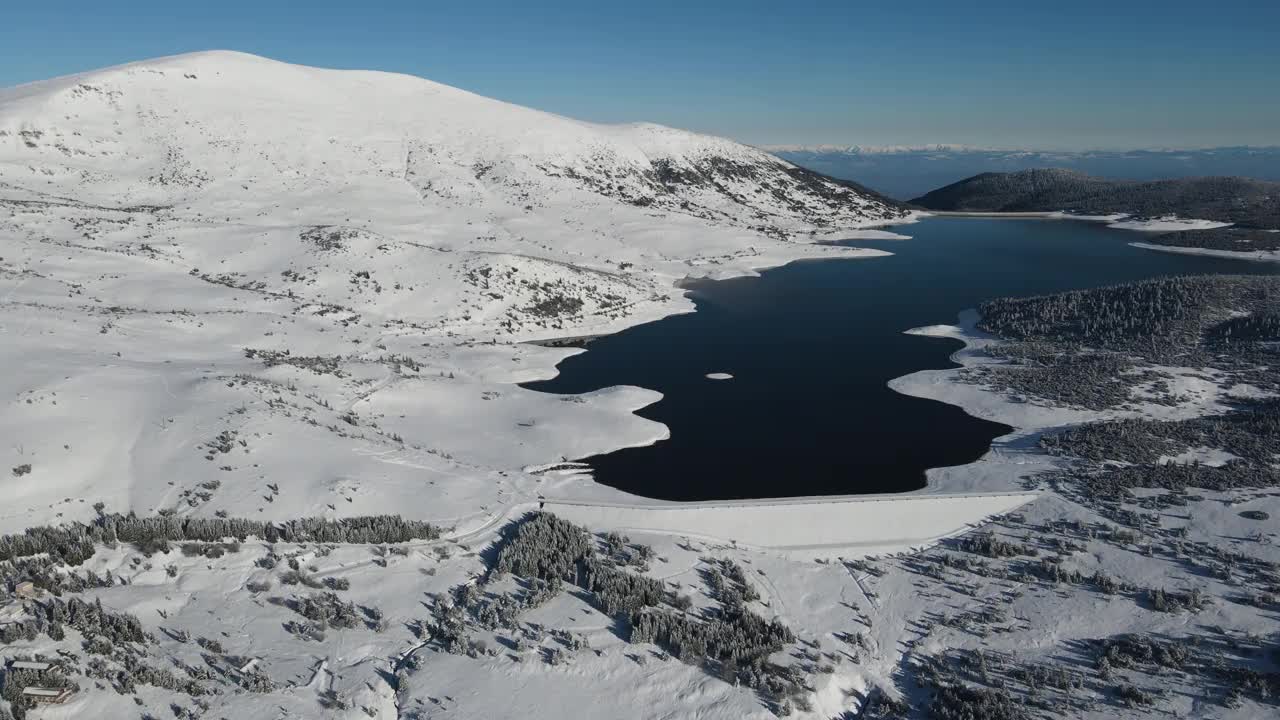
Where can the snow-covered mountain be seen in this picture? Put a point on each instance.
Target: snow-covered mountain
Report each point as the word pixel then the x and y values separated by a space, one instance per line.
pixel 320 279
pixel 223 127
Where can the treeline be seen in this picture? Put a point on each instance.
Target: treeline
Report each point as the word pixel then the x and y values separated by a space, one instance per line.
pixel 1236 239
pixel 1088 379
pixel 1085 348
pixel 1252 328
pixel 75 543
pixel 740 639
pixel 1251 433
pixel 1162 316
pixel 1242 201
pixel 1114 483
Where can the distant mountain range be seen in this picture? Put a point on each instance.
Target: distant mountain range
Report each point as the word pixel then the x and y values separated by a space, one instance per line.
pixel 1243 201
pixel 909 171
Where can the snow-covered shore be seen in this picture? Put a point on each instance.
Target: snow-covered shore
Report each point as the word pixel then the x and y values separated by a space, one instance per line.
pixel 1016 455
pixel 1258 255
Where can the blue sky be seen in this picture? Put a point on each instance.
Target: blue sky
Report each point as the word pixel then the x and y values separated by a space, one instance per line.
pixel 1123 73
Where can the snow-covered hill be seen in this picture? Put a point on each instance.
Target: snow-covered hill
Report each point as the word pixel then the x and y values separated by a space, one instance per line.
pixel 336 269
pixel 220 128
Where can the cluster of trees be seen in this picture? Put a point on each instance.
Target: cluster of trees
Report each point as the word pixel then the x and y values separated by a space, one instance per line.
pixel 1256 327
pixel 740 639
pixel 549 549
pixel 1044 675
pixel 114 638
pixel 1251 433
pixel 470 605
pixel 44 573
pixel 957 701
pixel 986 685
pixel 92 620
pixel 1243 201
pixel 318 364
pixel 305 630
pixel 619 591
pixel 546 551
pixel 209 550
pixel 449 627
pixel 326 610
pixel 495 611
pixel 75 543
pixel 1170 601
pixel 1094 380
pixel 133 672
pixel 545 546
pixel 1134 696
pixel 736 641
pixel 879 705
pixel 1219 321
pixel 729 584
pixel 1052 569
pixel 1210 667
pixel 1130 651
pixel 1114 483
pixel 619 549
pixel 1154 318
pixel 328 237
pixel 255 681
pixel 989 545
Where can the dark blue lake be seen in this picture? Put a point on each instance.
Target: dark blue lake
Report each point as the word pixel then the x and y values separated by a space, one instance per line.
pixel 811 346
